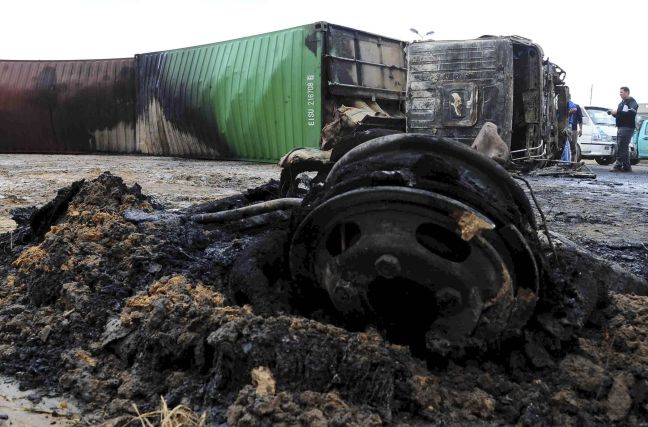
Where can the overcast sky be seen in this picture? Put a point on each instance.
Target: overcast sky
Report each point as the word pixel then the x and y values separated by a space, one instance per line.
pixel 599 44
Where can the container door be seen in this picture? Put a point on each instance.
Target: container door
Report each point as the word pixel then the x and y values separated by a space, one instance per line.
pixel 364 65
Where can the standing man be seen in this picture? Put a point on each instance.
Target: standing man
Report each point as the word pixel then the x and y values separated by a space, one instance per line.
pixel 625 115
pixel 576 125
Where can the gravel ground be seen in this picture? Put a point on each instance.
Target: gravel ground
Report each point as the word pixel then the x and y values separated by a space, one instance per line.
pixel 28 180
pixel 608 215
pixel 610 211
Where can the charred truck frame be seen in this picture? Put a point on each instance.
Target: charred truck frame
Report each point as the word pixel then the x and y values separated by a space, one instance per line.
pixel 454 87
pixel 416 232
pixel 258 97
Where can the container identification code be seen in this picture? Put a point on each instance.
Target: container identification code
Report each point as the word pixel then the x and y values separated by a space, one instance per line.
pixel 310 99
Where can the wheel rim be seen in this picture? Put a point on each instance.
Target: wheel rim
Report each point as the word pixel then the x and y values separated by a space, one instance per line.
pixel 418 221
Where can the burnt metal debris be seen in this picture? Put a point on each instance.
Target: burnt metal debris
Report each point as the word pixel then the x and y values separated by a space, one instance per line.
pixel 422 236
pixel 455 87
pixel 420 233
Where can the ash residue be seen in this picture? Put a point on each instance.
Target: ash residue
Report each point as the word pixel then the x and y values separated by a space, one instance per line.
pixel 115 312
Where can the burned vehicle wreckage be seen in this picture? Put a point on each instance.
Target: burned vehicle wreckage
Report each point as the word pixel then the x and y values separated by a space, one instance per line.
pixel 420 217
pixel 399 277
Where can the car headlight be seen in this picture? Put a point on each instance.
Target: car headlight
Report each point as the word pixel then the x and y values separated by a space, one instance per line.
pixel 600 135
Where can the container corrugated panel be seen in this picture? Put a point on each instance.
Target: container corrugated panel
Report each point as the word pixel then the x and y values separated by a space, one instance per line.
pixel 253 98
pixel 67 106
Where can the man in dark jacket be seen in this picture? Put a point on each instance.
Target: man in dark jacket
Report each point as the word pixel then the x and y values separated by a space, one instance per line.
pixel 625 115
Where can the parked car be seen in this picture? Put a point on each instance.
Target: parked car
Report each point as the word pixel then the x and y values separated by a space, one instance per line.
pixel 598 141
pixel 639 143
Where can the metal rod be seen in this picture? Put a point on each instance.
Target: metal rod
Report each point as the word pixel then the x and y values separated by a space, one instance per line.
pixel 591 90
pixel 542 216
pixel 359 61
pixel 356 86
pixel 537 147
pixel 556 161
pixel 529 156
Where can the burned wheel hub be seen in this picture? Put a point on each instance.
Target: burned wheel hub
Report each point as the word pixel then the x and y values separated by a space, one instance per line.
pixel 418 252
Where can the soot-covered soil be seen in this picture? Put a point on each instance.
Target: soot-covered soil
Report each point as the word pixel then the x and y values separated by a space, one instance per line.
pixel 115 312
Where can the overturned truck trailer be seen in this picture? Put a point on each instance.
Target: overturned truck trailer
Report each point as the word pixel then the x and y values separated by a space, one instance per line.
pixel 253 98
pixel 258 97
pixel 455 87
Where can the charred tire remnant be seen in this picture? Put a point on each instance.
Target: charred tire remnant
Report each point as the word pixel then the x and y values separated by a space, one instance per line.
pixel 426 238
pixel 349 142
pixel 291 176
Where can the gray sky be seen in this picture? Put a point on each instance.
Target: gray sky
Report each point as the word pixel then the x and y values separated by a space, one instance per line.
pixel 597 43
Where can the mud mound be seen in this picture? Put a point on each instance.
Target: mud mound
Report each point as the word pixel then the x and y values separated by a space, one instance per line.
pixel 85 259
pixel 116 312
pixel 602 381
pixel 178 340
pixel 307 408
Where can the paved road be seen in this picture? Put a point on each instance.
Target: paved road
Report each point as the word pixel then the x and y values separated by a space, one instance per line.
pixel 638 176
pixel 609 214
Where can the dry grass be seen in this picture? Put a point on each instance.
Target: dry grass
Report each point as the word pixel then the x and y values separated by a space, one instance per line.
pixel 180 416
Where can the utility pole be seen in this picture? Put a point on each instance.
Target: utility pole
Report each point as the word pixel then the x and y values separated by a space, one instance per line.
pixel 591 90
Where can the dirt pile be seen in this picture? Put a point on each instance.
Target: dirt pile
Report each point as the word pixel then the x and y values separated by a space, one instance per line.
pixel 116 312
pixel 84 260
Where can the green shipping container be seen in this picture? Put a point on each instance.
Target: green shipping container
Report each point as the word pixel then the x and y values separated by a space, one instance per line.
pixel 258 97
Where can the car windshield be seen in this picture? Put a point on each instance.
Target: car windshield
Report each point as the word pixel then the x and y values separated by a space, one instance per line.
pixel 601 117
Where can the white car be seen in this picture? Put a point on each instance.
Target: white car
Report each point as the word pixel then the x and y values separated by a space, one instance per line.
pixel 598 141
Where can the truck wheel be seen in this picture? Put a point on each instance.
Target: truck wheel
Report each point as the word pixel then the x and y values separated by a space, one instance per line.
pixel 425 238
pixel 604 160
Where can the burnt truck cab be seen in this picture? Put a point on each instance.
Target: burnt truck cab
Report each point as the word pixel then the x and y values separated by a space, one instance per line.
pixel 454 87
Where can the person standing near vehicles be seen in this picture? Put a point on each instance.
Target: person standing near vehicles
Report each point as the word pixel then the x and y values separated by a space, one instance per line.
pixel 625 115
pixel 576 125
